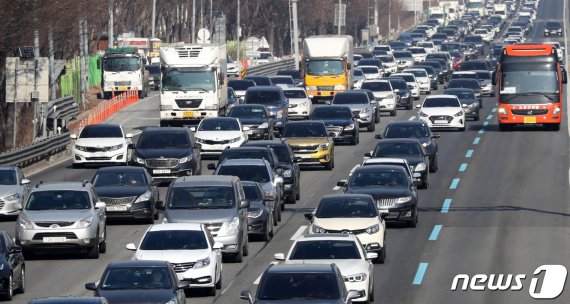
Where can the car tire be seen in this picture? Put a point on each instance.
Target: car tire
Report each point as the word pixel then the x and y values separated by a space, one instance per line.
pixel 462 129
pixel 245 248
pixel 330 165
pixel 371 127
pixel 433 165
pixel 238 257
pixel 414 222
pixel 212 291
pixel 371 293
pixel 22 287
pixel 155 216
pixel 10 289
pixel 298 194
pixel 393 112
pixel 93 252
pixel 410 105
pixel 278 214
pixel 219 282
pixel 425 183
pixel 476 118
pixel 354 140
pixel 268 235
pixel 382 256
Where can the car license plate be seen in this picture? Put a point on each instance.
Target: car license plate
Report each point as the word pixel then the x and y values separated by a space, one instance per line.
pixel 117 208
pixel 440 121
pixel 54 239
pixel 161 171
pixel 122 88
pixel 217 147
pixel 99 154
pixel 530 120
pixel 188 114
pixel 304 155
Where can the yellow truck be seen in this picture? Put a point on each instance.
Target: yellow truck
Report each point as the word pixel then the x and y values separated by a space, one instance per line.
pixel 328 65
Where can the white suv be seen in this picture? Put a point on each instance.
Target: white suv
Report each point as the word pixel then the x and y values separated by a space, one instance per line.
pixel 102 143
pixel 442 111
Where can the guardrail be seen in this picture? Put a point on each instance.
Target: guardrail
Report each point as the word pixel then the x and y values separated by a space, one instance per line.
pixel 41 149
pixel 270 69
pixel 62 108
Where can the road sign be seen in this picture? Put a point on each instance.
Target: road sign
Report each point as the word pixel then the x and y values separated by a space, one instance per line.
pixel 342 15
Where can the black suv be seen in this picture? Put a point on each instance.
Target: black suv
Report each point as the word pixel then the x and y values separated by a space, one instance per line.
pixel 340 123
pixel 288 162
pixel 167 152
pixel 256 117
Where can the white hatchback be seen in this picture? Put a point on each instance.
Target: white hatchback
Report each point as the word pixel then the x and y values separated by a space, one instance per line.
pixel 190 249
pixel 215 134
pixel 442 111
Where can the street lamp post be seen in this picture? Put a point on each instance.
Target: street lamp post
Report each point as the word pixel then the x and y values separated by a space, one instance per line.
pixel 238 36
pixel 339 17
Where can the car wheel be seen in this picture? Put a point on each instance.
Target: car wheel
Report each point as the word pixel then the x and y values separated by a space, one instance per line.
pixel 353 140
pixel 425 183
pixel 393 112
pixel 330 164
pixel 410 105
pixel 279 213
pixel 382 256
pixel 238 257
pixel 212 291
pixel 22 287
pixel 10 289
pixel 268 235
pixel 433 165
pixel 377 117
pixel 413 223
pixel 246 247
pixel 155 216
pixel 476 118
pixel 290 199
pixel 371 292
pixel 371 127
pixel 93 252
pixel 298 194
pixel 219 283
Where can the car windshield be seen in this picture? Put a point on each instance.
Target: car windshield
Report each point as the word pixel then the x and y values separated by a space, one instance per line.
pixel 247 112
pixel 462 95
pixel 425 44
pixel 206 197
pixel 386 58
pixel 340 207
pixel 113 179
pixel 295 94
pixel 463 76
pixel 101 131
pixel 332 113
pixel 369 69
pixel 184 80
pixel 294 74
pixel 219 125
pixel 252 192
pixel 397 149
pixel 121 64
pixel 174 240
pixel 418 73
pixel 552 25
pixel 268 97
pixel 244 154
pixel 464 83
pixel 260 80
pixel 128 278
pixel 8 177
pixel 240 85
pixel 58 200
pixel 325 250
pixel 407 78
pixel 399 84
pixel 282 152
pixel 378 178
pixel 153 69
pixel 264 55
pixel 350 98
pixel 484 75
pixel 305 130
pixel 418 51
pixel 476 39
pixel 325 67
pixel 298 286
pixel 377 86
pixel 402 55
pixel 358 73
pixel 246 173
pixel 473 65
pixel 406 131
pixel 282 80
pixel 441 103
pixel 164 140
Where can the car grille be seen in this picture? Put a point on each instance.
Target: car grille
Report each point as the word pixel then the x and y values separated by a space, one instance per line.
pixel 386 202
pixel 60 224
pixel 41 235
pixel 447 118
pixel 162 162
pixel 214 228
pixel 529 112
pixel 97 149
pixel 98 158
pixel 118 200
pixel 305 147
pixel 327 88
pixel 182 267
pixel 188 103
pixel 216 142
pixel 356 231
pixel 122 83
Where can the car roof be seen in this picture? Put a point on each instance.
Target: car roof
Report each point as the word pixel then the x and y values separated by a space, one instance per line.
pixel 73 186
pixel 463 72
pixel 7 168
pixel 333 107
pixel 294 88
pixel 458 90
pixel 204 180
pixel 221 118
pixel 176 226
pixel 443 95
pixel 165 129
pixel 383 160
pixel 273 142
pixel 346 195
pixel 138 263
pixel 121 169
pixel 378 167
pixel 375 80
pixel 305 122
pixel 265 88
pixel 249 105
pixel 405 122
pixel 301 268
pixel 400 140
pixel 70 300
pixel 243 162
pixel 326 236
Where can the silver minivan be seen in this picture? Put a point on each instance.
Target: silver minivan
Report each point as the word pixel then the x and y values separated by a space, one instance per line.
pixel 218 202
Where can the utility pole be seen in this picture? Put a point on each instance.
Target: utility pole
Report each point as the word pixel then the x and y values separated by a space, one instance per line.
pixel 376 20
pixel 211 18
pixel 389 19
pixel 111 22
pixel 81 61
pixel 201 14
pixel 193 21
pixel 295 33
pixel 15 130
pixel 238 36
pixel 153 19
pixel 36 71
pixel 339 16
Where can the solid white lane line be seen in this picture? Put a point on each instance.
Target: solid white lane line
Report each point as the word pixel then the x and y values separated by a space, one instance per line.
pixel 336 188
pixel 256 282
pixel 299 231
pixel 412 118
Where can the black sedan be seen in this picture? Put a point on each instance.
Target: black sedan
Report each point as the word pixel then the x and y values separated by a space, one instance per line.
pixel 472 84
pixel 418 130
pixel 340 123
pixel 128 192
pixel 261 216
pixel 12 267
pixel 256 117
pixel 392 189
pixel 467 97
pixel 408 148
pixel 140 282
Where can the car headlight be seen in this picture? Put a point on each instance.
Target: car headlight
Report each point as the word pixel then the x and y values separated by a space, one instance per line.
pixel 365 110
pixel 420 167
pixel 405 199
pixel 279 114
pixel 232 228
pixel 427 143
pixel 234 140
pixel 324 146
pixel 349 127
pixel 318 229
pixel 389 96
pixel 406 95
pixel 422 114
pixel 12 197
pixel 556 111
pixel 202 263
pixel 373 229
pixel 81 148
pixel 138 160
pixel 339 87
pixel 184 159
pixel 359 277
pixel 25 224
pixel 458 114
pixel 311 88
pixel 502 111
pixel 116 147
pixel 171 301
pixel 425 81
pixel 474 105
pixel 144 197
pixel 85 222
pixel 287 173
pixel 254 213
pixel 108 83
pixel 270 194
pixel 199 140
pixel 263 126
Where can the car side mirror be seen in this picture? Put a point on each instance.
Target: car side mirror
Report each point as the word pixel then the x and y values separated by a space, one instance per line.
pixel 131 247
pixel 218 246
pixel 279 256
pixel 129 135
pixel 368 154
pixel 378 136
pixel 244 204
pixel 436 136
pixel 354 294
pixel 211 166
pixel 418 106
pixel 15 249
pixel 371 255
pixel 183 285
pixel 25 181
pixel 193 129
pixel 73 136
pixel 100 205
pixel 91 286
pixel 132 146
pixel 342 183
pixel 309 216
pixel 246 295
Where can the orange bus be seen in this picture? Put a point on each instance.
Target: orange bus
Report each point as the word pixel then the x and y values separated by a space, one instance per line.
pixel 530 79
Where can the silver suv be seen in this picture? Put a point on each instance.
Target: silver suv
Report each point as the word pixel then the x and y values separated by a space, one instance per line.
pixel 218 202
pixel 13 188
pixel 62 216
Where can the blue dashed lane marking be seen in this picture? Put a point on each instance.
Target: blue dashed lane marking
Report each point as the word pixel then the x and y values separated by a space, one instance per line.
pixel 463 167
pixel 494 110
pixel 435 233
pixel 454 184
pixel 489 117
pixel 486 123
pixel 420 273
pixel 482 131
pixel 469 153
pixel 446 205
pixel 476 140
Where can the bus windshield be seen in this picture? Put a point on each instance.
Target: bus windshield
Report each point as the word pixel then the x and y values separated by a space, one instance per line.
pixel 519 79
pixel 325 67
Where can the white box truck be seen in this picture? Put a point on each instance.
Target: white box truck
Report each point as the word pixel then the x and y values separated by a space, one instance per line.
pixel 123 70
pixel 193 83
pixel 328 65
pixel 501 9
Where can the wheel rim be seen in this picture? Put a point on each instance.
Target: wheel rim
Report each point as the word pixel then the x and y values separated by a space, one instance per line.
pixel 10 286
pixel 23 277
